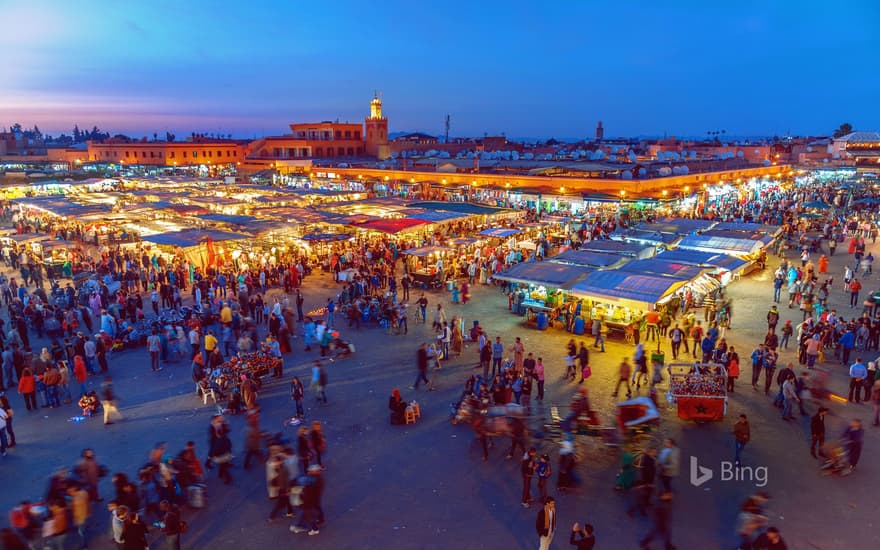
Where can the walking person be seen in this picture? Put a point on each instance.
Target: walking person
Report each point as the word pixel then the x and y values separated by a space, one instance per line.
pixel 858 372
pixel 278 486
pixel 172 525
pixel 544 470
pixel 742 434
pixel 662 524
pixel 497 356
pixel 597 332
pixel 539 376
pixel 527 470
pixel 817 433
pixel 297 393
pixel 853 437
pixel 111 412
pixel 875 400
pixel 669 461
pixel 422 365
pixel 625 370
pixel 545 523
pixel 789 397
pixel 154 347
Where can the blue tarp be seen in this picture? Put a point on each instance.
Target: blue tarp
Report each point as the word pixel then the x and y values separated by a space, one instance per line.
pixel 664 268
pixel 708 259
pixel 192 237
pixel 548 274
pixel 500 232
pixel 625 289
pixel 632 250
pixel 587 258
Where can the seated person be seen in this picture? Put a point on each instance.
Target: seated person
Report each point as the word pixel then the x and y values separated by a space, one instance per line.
pixel 397 406
pixel 89 403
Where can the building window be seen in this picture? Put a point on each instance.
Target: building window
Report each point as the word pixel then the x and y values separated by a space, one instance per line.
pixel 340 151
pixel 348 134
pixel 338 134
pixel 219 154
pixel 115 153
pixel 184 154
pixel 143 154
pixel 350 152
pixel 152 155
pixel 195 154
pixel 360 151
pixel 319 152
pixel 228 154
pixel 172 154
pixel 357 134
pixel 160 154
pixel 126 154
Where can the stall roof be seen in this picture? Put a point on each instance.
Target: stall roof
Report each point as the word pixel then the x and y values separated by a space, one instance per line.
pixel 192 237
pixel 664 268
pixel 587 258
pixel 625 289
pixel 748 227
pixel 228 218
pixel 423 251
pixel 391 226
pixel 709 259
pixel 680 226
pixel 632 250
pixel 723 244
pixel 637 234
pixel 544 273
pixel 434 215
pixel 462 207
pixel 676 226
pixel 325 237
pixel 501 232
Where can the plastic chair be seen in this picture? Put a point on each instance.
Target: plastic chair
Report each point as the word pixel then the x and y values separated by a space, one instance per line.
pixel 410 416
pixel 417 411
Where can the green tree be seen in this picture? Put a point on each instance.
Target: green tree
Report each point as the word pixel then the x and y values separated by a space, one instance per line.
pixel 844 129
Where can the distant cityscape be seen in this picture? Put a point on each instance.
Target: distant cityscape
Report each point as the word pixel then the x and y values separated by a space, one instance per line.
pixel 311 146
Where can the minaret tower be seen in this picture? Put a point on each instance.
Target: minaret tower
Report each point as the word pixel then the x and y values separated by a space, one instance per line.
pixel 377 130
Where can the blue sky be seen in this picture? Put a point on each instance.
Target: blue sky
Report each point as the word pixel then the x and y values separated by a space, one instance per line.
pixel 537 69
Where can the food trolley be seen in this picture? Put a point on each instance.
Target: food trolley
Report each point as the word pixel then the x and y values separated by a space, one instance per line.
pixel 699 390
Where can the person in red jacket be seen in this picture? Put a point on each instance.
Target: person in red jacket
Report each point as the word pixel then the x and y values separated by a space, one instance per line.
pixel 27 388
pixel 80 373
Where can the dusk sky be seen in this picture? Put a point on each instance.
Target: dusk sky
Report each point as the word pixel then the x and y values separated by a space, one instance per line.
pixel 528 69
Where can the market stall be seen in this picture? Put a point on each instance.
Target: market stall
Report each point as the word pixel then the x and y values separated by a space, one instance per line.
pixel 620 298
pixel 540 287
pixel 722 266
pixel 197 246
pixel 699 390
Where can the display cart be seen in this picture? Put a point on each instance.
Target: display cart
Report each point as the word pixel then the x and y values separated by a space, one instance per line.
pixel 699 390
pixel 258 364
